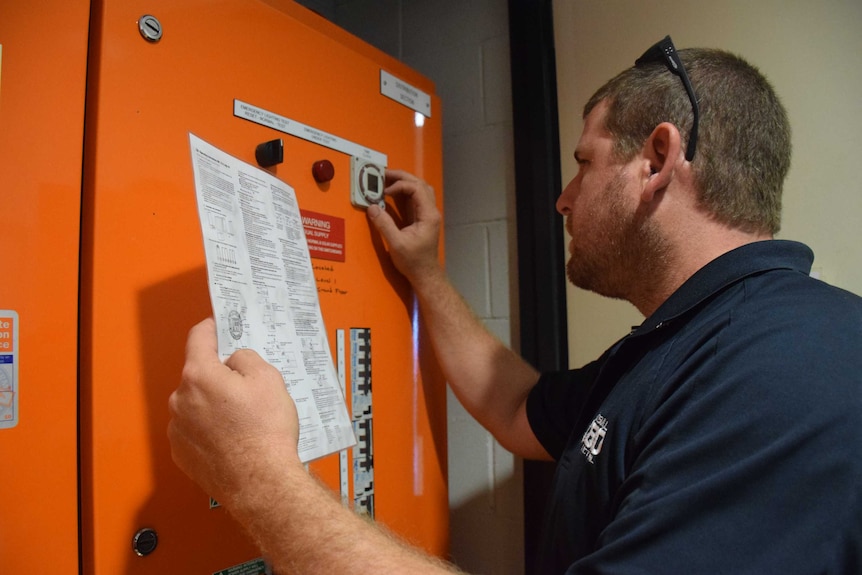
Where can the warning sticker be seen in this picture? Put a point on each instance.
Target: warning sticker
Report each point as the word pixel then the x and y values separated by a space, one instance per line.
pixel 324 235
pixel 8 369
pixel 253 567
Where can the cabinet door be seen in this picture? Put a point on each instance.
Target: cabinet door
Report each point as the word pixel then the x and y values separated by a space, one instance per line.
pixel 144 280
pixel 43 66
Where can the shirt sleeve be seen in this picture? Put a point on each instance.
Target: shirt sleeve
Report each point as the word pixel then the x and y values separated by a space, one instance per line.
pixel 555 403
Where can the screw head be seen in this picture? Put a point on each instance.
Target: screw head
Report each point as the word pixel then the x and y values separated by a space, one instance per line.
pixel 144 542
pixel 150 28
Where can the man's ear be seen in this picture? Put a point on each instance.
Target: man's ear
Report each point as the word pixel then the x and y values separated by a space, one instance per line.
pixel 661 152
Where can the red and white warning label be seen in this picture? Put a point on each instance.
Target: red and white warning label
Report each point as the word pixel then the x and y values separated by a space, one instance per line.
pixel 324 235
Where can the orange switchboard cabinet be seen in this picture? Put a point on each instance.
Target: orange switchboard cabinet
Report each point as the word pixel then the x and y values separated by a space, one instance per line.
pixel 43 63
pixel 238 73
pixel 158 71
pixel 104 268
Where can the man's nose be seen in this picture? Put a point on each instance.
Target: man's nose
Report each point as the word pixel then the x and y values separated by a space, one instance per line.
pixel 564 200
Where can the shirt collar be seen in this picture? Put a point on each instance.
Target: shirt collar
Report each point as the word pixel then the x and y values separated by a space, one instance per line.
pixel 726 270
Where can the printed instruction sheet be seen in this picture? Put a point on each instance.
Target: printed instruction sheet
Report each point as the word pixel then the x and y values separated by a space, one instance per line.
pixel 263 291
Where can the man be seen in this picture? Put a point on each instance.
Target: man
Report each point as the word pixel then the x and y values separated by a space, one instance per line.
pixel 723 435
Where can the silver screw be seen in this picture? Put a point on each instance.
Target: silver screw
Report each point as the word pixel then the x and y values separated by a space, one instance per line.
pixel 150 28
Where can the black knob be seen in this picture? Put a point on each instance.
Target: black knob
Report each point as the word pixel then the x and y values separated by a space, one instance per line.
pixel 270 153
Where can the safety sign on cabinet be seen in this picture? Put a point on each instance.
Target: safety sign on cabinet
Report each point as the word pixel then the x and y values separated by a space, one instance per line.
pixel 8 369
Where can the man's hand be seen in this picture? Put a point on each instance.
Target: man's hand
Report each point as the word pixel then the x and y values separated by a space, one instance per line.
pixel 234 430
pixel 413 248
pixel 232 423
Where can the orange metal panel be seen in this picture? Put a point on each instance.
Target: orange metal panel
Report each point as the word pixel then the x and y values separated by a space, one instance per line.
pixel 42 84
pixel 144 281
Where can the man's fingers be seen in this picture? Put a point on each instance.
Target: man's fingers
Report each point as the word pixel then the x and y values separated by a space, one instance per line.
pixel 202 352
pixel 420 194
pixel 247 362
pixel 202 343
pixel 393 176
pixel 202 359
pixel 399 182
pixel 383 222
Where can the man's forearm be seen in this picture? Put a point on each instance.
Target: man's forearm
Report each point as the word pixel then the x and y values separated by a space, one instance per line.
pixel 490 380
pixel 302 528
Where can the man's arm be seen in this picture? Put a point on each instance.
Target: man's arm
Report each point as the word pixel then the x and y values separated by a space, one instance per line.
pixel 490 380
pixel 234 430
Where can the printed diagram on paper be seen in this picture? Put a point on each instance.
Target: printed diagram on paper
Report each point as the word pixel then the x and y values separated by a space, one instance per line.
pixel 263 291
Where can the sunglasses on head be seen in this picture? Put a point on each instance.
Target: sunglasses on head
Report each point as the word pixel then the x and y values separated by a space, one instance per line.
pixel 664 51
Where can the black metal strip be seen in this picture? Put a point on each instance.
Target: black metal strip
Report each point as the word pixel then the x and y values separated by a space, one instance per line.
pixel 541 251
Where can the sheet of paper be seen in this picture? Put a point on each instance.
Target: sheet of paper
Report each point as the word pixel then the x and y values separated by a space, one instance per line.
pixel 263 291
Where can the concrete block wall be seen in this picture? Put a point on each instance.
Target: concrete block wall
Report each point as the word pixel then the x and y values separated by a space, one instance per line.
pixel 463 46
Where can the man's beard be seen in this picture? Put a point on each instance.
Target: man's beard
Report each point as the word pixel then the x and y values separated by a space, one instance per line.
pixel 622 253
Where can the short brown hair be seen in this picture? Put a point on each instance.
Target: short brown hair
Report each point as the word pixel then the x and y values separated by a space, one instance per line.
pixel 743 146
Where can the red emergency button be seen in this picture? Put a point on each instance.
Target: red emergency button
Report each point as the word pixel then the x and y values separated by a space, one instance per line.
pixel 323 171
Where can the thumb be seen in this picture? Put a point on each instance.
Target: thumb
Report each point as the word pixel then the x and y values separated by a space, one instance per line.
pixel 383 222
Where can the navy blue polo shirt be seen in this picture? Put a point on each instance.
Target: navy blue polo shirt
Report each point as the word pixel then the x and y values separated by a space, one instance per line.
pixel 723 435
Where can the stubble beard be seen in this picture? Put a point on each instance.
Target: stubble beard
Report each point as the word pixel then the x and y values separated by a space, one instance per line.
pixel 625 253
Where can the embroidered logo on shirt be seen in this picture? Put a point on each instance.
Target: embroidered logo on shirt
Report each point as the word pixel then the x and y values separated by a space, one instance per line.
pixel 594 438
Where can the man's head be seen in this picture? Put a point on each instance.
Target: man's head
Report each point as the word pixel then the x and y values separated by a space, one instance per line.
pixel 618 247
pixel 743 145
